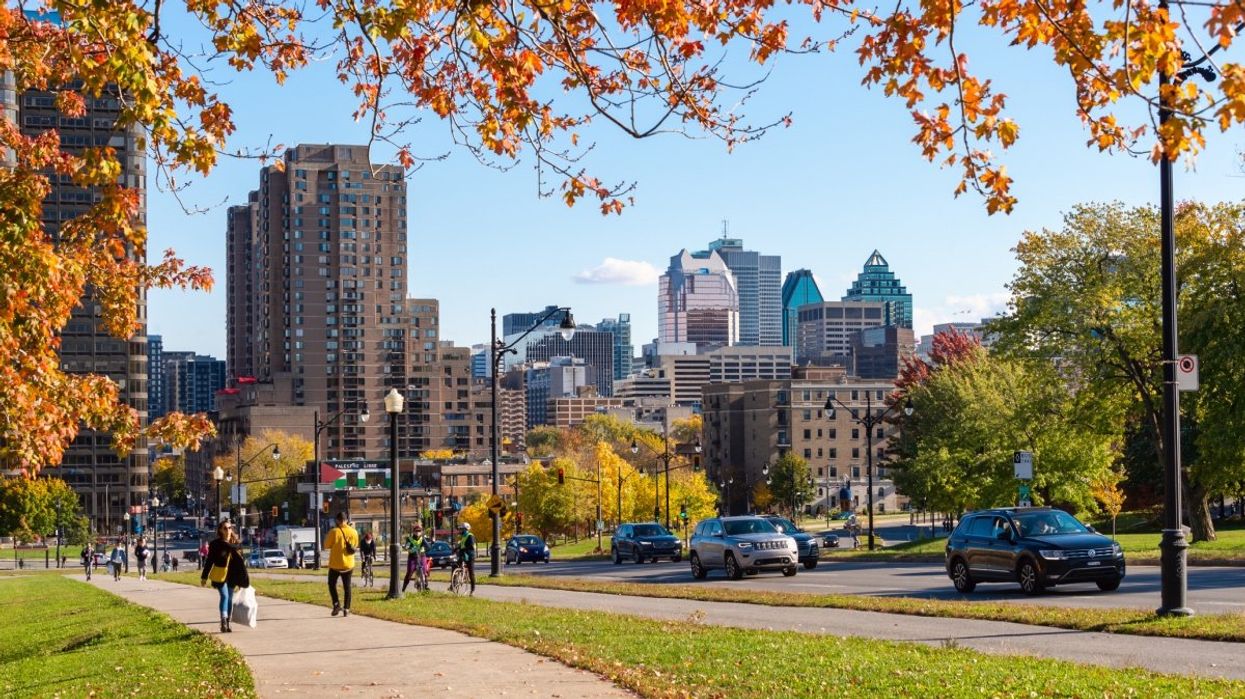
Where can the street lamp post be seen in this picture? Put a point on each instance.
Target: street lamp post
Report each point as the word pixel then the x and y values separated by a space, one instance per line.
pixel 393 406
pixel 868 421
pixel 126 539
pixel 319 427
pixel 155 533
pixel 665 457
pixel 499 348
pixel 218 474
pixel 276 456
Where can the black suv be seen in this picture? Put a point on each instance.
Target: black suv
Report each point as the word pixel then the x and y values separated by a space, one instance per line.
pixel 646 541
pixel 805 541
pixel 1035 546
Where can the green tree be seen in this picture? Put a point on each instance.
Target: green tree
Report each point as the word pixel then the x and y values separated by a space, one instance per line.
pixel 169 477
pixel 1088 297
pixel 789 482
pixel 33 508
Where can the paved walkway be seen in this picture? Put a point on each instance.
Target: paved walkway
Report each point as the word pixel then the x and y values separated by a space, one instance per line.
pixel 1168 655
pixel 300 650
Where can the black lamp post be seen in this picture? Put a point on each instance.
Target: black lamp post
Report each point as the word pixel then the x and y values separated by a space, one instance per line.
pixel 319 427
pixel 276 456
pixel 499 348
pixel 665 457
pixel 393 406
pixel 869 420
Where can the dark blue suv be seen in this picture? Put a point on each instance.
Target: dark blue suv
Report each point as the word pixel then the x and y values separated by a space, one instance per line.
pixel 1037 547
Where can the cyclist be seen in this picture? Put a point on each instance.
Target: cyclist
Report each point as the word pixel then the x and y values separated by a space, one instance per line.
pixel 368 549
pixel 416 553
pixel 467 552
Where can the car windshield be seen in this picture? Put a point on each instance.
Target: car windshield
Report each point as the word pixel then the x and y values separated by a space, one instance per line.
pixel 1048 523
pixel 273 553
pixel 783 523
pixel 650 530
pixel 735 527
pixel 527 541
pixel 439 546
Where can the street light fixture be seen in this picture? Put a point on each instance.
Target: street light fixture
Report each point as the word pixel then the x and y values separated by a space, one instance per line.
pixel 499 349
pixel 393 406
pixel 276 456
pixel 218 474
pixel 868 421
pixel 155 533
pixel 665 457
pixel 364 415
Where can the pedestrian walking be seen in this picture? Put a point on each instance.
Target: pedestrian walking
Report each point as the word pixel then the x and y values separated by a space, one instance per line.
pixel 174 562
pixel 140 555
pixel 416 550
pixel 467 552
pixel 342 542
pixel 167 561
pixel 298 556
pixel 203 552
pixel 88 559
pixel 116 560
pixel 223 567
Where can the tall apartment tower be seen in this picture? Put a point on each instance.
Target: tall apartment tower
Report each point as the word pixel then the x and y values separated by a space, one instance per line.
pixel 698 301
pixel 320 254
pixel 157 389
pixel 107 483
pixel 759 280
pixel 876 282
pixel 624 351
pixel 798 289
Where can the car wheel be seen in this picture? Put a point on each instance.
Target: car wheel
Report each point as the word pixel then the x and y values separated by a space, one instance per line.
pixel 1109 585
pixel 638 557
pixel 789 571
pixel 750 571
pixel 1027 575
pixel 733 571
pixel 960 577
pixel 809 565
pixel 676 559
pixel 546 560
pixel 617 557
pixel 698 571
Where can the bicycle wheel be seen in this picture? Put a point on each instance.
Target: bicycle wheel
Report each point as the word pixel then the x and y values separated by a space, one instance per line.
pixel 457 580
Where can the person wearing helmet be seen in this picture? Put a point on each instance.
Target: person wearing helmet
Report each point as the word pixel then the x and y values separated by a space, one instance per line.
pixel 467 552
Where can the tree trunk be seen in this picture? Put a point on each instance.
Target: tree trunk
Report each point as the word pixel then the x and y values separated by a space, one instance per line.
pixel 1199 513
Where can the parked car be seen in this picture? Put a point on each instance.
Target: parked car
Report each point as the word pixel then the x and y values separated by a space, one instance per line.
pixel 829 540
pixel 845 514
pixel 646 541
pixel 741 545
pixel 441 554
pixel 268 558
pixel 526 547
pixel 1037 547
pixel 805 541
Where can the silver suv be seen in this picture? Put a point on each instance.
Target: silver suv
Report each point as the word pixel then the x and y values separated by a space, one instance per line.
pixel 741 545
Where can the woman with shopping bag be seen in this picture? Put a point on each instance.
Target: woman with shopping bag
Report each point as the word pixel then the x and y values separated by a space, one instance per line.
pixel 224 568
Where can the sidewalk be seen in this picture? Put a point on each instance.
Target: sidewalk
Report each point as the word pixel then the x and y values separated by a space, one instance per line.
pixel 300 650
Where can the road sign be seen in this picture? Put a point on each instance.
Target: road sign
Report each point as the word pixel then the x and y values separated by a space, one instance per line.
pixel 1186 372
pixel 1024 492
pixel 494 504
pixel 600 525
pixel 1022 465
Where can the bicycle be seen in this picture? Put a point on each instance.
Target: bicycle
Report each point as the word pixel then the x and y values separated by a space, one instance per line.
pixel 458 580
pixel 369 578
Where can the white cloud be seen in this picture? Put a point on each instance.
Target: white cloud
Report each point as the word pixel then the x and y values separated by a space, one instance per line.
pixel 615 271
pixel 958 309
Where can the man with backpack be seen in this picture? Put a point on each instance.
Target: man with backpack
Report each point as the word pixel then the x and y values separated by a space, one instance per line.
pixel 341 542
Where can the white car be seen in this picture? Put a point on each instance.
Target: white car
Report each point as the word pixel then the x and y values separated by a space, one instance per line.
pixel 269 558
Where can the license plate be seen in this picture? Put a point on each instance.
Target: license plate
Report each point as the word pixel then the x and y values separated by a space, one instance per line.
pixel 1095 563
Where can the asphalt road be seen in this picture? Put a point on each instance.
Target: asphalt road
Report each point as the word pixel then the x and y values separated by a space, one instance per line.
pixel 1211 589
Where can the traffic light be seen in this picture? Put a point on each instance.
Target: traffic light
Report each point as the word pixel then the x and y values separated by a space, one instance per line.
pixel 518 518
pixel 439 516
pixel 275 510
pixel 683 513
pixel 325 506
pixel 561 476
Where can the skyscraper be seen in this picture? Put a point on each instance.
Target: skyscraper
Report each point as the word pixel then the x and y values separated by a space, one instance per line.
pixel 798 289
pixel 759 281
pixel 826 330
pixel 624 351
pixel 877 282
pixel 319 253
pixel 698 301
pixel 157 389
pixel 192 381
pixel 516 323
pixel 594 347
pixel 107 483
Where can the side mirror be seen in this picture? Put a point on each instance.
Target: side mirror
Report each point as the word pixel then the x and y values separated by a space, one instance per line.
pixel 718 534
pixel 1091 529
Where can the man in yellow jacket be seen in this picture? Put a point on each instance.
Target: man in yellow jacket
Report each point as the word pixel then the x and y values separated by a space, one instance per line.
pixel 342 542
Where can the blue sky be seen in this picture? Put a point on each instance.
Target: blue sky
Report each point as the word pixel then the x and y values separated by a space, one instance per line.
pixel 843 180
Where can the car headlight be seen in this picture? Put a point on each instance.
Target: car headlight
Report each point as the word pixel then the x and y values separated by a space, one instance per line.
pixel 1117 550
pixel 745 544
pixel 523 549
pixel 646 543
pixel 1053 555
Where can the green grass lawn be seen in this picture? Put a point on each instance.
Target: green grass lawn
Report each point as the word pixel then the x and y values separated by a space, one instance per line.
pixel 61 637
pixel 687 658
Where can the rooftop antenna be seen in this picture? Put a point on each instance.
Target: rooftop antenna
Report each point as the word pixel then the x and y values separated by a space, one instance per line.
pixel 725 227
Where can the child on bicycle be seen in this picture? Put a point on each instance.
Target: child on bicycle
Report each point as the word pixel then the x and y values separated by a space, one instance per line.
pixel 416 554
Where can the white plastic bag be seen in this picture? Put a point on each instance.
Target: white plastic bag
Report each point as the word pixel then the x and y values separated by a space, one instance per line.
pixel 245 607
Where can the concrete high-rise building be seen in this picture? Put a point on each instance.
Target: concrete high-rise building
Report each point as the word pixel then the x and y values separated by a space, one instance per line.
pixel 157 388
pixel 624 351
pixel 107 483
pixel 698 301
pixel 192 381
pixel 825 330
pixel 798 289
pixel 516 323
pixel 320 254
pixel 759 281
pixel 558 377
pixel 594 347
pixel 876 282
pixel 879 353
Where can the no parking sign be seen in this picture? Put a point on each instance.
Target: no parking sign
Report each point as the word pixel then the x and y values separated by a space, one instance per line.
pixel 1186 372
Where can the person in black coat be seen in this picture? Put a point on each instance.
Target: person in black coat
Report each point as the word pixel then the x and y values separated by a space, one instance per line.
pixel 223 552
